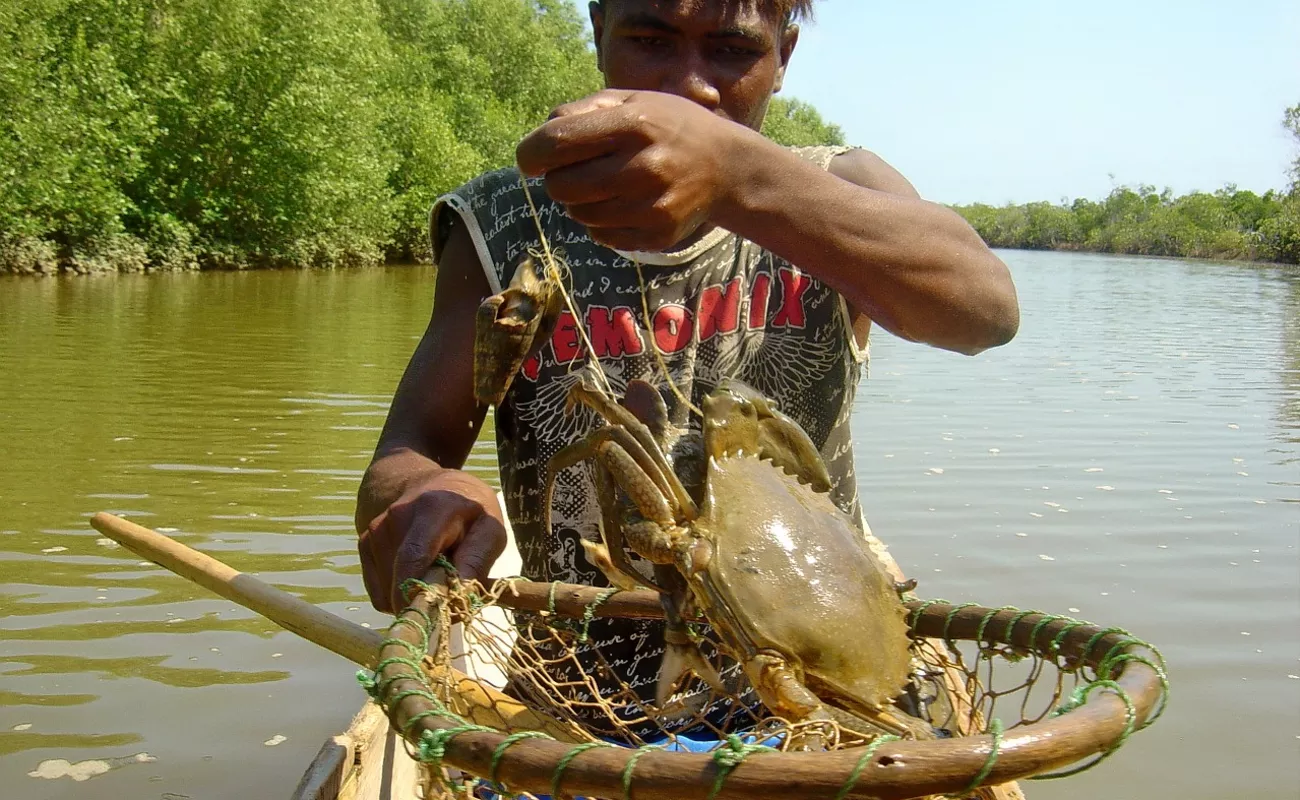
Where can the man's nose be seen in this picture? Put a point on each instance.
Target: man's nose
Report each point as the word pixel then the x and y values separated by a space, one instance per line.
pixel 692 81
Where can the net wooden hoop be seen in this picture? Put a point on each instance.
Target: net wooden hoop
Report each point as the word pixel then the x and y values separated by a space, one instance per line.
pixel 894 771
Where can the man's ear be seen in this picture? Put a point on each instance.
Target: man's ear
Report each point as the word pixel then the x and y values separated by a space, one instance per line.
pixel 789 39
pixel 596 10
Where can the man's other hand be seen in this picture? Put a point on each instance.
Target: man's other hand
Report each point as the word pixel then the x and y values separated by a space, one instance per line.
pixel 451 512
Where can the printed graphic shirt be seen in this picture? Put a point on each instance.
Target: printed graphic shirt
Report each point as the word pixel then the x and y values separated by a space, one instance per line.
pixel 721 308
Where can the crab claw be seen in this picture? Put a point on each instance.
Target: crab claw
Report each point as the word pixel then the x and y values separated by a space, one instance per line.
pixel 678 660
pixel 681 654
pixel 598 556
pixel 511 326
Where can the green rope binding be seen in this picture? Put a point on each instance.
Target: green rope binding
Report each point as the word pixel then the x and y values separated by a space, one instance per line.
pixel 629 766
pixel 730 755
pixel 500 751
pixel 1078 698
pixel 550 598
pixel 567 759
pixel 987 618
pixel 433 742
pixel 858 769
pixel 589 613
pixel 994 730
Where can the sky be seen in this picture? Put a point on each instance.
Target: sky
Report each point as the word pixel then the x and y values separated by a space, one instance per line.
pixel 1015 101
pixel 1022 100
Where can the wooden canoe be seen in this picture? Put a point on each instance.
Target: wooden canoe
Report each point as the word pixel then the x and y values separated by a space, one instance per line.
pixel 366 762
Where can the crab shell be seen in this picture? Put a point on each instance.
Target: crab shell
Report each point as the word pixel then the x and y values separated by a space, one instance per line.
pixel 789 572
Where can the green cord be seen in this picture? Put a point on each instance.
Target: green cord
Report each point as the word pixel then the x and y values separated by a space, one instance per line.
pixel 627 770
pixel 730 755
pixel 567 759
pixel 867 754
pixel 1078 698
pixel 589 613
pixel 550 598
pixel 501 751
pixel 994 730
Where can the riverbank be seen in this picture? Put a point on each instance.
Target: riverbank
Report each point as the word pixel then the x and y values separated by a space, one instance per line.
pixel 1229 224
pixel 140 136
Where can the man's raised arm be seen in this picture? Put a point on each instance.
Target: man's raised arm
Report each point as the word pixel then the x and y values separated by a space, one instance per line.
pixel 415 502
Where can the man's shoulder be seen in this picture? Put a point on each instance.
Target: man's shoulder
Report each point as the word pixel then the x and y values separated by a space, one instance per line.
pixel 864 168
pixel 492 183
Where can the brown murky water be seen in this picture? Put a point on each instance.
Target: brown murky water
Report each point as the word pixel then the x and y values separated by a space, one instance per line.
pixel 1133 458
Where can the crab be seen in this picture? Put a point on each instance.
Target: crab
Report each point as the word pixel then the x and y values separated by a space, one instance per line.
pixel 755 544
pixel 782 575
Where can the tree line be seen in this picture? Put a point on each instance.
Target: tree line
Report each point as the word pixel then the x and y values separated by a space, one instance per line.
pixel 1228 224
pixel 185 134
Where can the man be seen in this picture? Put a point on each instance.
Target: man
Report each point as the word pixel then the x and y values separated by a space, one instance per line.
pixel 755 261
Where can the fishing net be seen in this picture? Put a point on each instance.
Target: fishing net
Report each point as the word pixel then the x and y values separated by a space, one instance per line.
pixel 504 692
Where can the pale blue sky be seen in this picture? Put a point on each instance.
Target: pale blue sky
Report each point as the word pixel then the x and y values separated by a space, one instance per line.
pixel 1016 100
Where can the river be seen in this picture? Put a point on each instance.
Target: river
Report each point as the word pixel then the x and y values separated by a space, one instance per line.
pixel 1132 458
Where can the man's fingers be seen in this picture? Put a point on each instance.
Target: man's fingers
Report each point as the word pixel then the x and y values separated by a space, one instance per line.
pixel 483 544
pixel 571 140
pixel 617 213
pixel 375 572
pixel 430 534
pixel 590 181
pixel 608 98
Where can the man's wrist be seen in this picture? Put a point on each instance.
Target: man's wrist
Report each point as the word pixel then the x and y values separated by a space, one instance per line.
pixel 752 171
pixel 388 477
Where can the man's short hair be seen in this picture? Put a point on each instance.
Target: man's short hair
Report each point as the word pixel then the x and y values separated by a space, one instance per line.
pixel 788 10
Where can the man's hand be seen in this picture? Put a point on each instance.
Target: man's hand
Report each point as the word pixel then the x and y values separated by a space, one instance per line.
pixel 642 170
pixel 451 512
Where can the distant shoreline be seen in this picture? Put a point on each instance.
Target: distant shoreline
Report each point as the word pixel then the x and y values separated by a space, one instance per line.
pixel 135 268
pixel 1227 225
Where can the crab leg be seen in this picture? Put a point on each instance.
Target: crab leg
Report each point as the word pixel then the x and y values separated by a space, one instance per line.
pixel 610 560
pixel 590 447
pixel 611 555
pixel 619 417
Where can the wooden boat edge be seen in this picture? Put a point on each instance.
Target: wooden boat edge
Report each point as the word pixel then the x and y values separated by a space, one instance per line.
pixel 366 762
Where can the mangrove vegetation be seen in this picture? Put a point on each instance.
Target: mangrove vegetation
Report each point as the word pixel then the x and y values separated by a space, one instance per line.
pixel 185 134
pixel 1231 223
pixel 225 134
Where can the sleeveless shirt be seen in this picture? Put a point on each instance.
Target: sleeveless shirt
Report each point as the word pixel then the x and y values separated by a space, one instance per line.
pixel 721 308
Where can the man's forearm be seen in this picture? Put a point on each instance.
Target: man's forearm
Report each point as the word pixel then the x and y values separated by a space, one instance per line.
pixel 914 267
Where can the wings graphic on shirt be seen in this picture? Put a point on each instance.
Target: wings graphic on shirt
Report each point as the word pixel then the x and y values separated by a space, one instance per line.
pixel 555 425
pixel 778 363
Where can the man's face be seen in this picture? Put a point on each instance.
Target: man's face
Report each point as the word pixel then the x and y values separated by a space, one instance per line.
pixel 726 56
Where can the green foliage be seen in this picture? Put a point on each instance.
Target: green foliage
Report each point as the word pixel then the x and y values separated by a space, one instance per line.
pixel 269 149
pixel 1229 223
pixel 470 78
pixel 796 123
pixel 178 134
pixel 71 137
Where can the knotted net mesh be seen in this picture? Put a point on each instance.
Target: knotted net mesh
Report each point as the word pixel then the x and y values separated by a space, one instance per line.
pixel 519 661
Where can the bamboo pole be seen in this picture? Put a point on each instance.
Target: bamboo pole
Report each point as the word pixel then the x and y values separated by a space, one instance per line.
pixel 483 704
